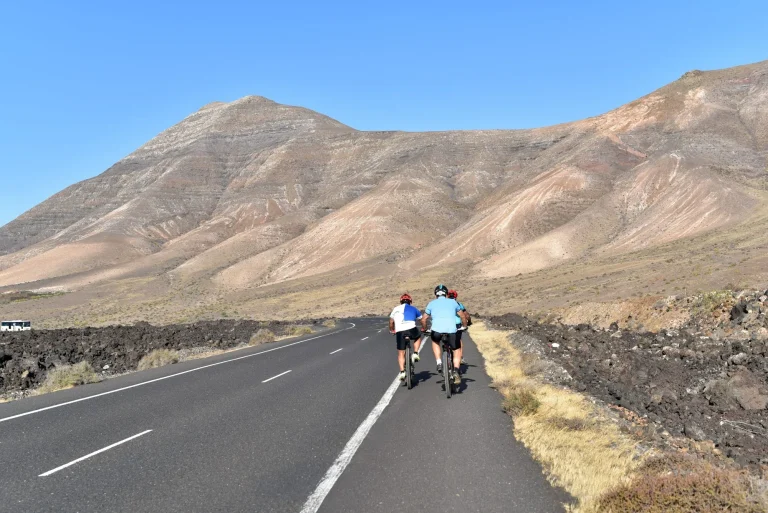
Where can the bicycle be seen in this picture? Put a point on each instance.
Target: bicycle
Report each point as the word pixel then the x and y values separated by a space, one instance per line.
pixel 447 364
pixel 410 373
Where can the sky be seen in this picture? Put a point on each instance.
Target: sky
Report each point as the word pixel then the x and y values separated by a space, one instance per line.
pixel 82 84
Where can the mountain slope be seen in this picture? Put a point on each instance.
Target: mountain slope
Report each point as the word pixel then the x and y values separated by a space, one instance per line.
pixel 242 195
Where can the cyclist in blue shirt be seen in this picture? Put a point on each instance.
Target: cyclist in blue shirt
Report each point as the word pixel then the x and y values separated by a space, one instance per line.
pixel 443 312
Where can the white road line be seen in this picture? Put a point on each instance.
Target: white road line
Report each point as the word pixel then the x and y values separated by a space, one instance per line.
pixel 275 377
pixel 366 338
pixel 332 475
pixel 332 352
pixel 45 474
pixel 169 376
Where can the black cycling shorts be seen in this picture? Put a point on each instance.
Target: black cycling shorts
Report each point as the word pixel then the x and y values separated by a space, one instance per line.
pixel 453 342
pixel 459 331
pixel 413 333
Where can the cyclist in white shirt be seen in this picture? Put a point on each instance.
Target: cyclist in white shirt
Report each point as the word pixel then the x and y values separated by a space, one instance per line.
pixel 402 323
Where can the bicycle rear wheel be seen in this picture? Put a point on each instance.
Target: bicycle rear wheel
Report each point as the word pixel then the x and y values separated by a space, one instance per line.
pixel 447 375
pixel 408 366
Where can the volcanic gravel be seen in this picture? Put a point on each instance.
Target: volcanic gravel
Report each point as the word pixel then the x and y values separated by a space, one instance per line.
pixel 690 384
pixel 25 357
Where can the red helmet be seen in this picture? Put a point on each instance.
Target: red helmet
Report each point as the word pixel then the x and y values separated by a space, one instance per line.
pixel 406 298
pixel 452 294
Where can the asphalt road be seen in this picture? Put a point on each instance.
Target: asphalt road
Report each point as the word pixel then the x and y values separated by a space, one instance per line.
pixel 259 429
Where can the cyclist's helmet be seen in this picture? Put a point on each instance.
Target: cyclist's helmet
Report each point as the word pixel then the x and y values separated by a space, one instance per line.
pixel 406 298
pixel 452 294
pixel 441 290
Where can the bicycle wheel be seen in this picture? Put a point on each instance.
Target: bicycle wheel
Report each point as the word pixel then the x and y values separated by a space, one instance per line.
pixel 408 366
pixel 447 375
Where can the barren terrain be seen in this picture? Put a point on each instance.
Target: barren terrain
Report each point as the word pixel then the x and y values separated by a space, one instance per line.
pixel 259 210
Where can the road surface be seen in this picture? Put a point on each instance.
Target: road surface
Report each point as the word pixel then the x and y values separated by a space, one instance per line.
pixel 305 425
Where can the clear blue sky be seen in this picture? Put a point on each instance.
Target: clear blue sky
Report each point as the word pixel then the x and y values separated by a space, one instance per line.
pixel 83 84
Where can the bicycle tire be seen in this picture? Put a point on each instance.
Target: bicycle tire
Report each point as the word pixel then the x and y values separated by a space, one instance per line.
pixel 447 375
pixel 408 366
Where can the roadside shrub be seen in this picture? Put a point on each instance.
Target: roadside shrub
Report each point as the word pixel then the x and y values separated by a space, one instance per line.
pixel 158 358
pixel 262 336
pixel 520 401
pixel 68 376
pixel 298 331
pixel 707 491
pixel 569 423
pixel 710 301
pixel 330 323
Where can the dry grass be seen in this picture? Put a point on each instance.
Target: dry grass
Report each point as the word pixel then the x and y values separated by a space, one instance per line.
pixel 298 331
pixel 330 323
pixel 158 358
pixel 68 376
pixel 263 336
pixel 683 484
pixel 581 450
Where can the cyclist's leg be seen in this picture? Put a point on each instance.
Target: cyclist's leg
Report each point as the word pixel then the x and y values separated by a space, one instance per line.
pixel 436 349
pixel 416 340
pixel 401 342
pixel 416 337
pixel 453 341
pixel 458 353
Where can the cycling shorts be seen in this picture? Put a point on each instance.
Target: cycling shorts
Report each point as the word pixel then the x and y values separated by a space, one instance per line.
pixel 412 333
pixel 453 342
pixel 459 331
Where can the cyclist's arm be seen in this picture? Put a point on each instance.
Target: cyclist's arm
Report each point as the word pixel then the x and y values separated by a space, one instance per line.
pixel 463 316
pixel 391 325
pixel 424 319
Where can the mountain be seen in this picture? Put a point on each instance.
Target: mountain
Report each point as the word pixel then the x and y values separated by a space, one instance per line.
pixel 250 200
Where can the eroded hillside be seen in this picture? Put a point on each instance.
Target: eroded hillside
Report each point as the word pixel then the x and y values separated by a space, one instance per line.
pixel 251 202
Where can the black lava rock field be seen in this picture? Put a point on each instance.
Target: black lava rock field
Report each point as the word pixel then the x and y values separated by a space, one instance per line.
pixel 689 383
pixel 25 357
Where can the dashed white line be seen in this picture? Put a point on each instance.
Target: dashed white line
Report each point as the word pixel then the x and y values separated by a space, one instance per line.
pixel 170 376
pixel 332 475
pixel 275 377
pixel 339 349
pixel 366 338
pixel 94 453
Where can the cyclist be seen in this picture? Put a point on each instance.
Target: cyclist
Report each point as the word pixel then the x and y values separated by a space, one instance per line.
pixel 402 322
pixel 453 294
pixel 443 312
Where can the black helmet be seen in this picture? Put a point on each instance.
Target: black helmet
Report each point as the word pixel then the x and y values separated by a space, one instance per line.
pixel 441 290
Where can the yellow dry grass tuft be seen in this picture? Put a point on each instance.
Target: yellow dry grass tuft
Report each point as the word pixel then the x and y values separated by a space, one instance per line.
pixel 262 336
pixel 580 449
pixel 158 358
pixel 330 323
pixel 298 331
pixel 68 376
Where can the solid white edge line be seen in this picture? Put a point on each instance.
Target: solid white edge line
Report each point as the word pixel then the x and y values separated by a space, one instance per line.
pixel 275 377
pixel 366 338
pixel 339 349
pixel 94 453
pixel 169 376
pixel 315 500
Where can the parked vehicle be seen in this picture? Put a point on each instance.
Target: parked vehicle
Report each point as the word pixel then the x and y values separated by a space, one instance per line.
pixel 15 326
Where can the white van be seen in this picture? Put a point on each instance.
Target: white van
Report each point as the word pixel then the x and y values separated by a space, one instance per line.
pixel 15 326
